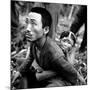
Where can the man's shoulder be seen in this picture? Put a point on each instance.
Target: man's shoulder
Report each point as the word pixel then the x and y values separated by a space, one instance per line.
pixel 52 45
pixel 53 48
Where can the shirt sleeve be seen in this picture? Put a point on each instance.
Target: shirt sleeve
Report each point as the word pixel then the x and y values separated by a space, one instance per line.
pixel 63 67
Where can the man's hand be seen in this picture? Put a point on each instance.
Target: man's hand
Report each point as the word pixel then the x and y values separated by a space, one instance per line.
pixel 16 75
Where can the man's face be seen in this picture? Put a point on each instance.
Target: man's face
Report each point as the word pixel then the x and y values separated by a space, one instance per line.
pixel 34 28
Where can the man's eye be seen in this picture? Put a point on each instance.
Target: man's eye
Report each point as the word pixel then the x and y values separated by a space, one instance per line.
pixel 33 23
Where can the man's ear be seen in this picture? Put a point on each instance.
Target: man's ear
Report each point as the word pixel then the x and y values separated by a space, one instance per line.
pixel 46 30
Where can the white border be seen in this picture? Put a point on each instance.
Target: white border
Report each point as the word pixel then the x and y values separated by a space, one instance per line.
pixel 83 2
pixel 5 43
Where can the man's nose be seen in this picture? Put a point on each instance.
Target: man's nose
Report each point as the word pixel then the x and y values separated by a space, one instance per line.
pixel 28 28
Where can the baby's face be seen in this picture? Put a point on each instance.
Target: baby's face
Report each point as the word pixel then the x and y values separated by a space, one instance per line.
pixel 66 43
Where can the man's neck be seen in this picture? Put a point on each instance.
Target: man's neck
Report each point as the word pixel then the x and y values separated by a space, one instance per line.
pixel 40 42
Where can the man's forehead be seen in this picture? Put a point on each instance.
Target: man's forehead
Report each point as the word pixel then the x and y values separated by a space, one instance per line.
pixel 35 16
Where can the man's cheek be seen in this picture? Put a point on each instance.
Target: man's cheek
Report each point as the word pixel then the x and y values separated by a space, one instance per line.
pixel 38 33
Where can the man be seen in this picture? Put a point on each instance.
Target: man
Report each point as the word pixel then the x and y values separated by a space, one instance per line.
pixel 53 70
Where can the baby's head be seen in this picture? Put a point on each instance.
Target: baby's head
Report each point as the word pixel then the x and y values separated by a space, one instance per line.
pixel 67 40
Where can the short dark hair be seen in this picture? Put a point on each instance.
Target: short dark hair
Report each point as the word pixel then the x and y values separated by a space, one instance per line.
pixel 46 16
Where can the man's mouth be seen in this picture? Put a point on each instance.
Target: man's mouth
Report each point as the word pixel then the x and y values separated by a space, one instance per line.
pixel 28 36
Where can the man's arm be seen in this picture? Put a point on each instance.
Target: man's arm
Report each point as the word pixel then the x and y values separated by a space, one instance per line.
pixel 65 69
pixel 24 66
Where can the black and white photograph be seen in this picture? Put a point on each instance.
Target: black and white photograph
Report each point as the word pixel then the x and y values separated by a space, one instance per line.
pixel 48 44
